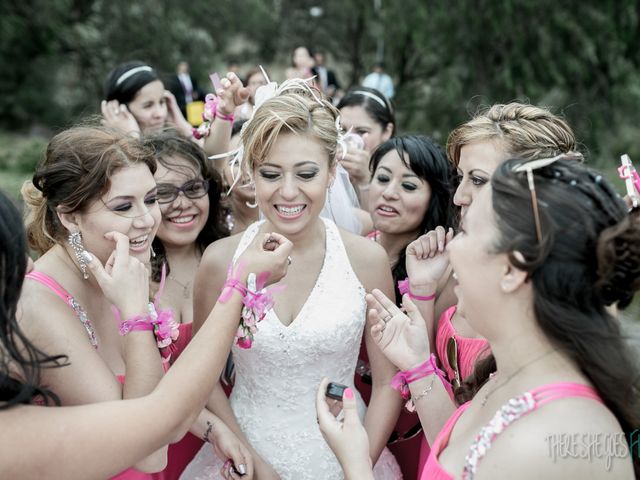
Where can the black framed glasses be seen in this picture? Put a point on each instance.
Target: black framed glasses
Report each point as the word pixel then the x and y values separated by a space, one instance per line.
pixel 192 189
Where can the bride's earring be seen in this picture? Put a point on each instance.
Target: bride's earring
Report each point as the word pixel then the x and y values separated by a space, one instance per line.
pixel 252 205
pixel 75 241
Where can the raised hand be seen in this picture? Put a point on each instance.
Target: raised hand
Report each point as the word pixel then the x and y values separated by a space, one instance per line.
pixel 124 279
pixel 347 439
pixel 427 257
pixel 232 94
pixel 401 337
pixel 356 162
pixel 116 115
pixel 267 253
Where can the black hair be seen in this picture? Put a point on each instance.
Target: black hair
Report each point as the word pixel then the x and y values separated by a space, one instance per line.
pixel 429 162
pixel 587 258
pixel 20 360
pixel 125 91
pixel 382 112
pixel 168 144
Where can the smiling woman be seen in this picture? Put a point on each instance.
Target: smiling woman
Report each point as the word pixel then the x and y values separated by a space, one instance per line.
pixel 316 326
pixel 93 192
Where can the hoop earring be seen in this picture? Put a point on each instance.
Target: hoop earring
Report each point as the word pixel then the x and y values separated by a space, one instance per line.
pixel 252 205
pixel 75 241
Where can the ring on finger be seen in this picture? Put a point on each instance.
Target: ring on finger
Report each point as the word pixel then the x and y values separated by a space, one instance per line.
pixel 387 318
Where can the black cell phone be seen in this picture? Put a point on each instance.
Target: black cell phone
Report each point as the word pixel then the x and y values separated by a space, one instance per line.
pixel 335 390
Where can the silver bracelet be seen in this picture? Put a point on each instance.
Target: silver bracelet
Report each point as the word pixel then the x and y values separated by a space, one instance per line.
pixel 411 404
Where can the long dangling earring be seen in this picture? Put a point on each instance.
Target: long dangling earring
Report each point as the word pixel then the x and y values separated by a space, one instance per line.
pixel 75 240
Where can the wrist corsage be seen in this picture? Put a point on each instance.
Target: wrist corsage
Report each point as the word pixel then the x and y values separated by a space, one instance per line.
pixel 257 300
pixel 210 112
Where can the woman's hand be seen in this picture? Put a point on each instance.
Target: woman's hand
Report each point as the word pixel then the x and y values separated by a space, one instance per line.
pixel 356 163
pixel 116 115
pixel 402 338
pixel 124 280
pixel 227 445
pixel 268 254
pixel 347 439
pixel 175 117
pixel 232 94
pixel 264 471
pixel 427 257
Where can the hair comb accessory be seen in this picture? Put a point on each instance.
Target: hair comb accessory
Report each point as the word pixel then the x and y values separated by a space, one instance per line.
pixel 529 167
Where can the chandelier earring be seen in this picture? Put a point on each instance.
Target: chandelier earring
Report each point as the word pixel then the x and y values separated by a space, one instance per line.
pixel 75 241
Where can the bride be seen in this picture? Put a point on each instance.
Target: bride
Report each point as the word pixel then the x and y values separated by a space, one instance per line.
pixel 316 326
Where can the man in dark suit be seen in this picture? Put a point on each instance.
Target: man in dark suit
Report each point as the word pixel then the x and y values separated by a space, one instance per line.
pixel 326 78
pixel 184 87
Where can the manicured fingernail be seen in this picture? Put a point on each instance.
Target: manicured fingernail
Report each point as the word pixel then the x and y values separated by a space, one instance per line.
pixel 348 394
pixel 242 470
pixel 86 256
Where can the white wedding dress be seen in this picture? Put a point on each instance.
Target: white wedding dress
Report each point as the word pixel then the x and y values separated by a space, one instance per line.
pixel 277 378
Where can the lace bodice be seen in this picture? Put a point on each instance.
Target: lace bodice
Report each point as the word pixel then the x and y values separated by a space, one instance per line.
pixel 276 379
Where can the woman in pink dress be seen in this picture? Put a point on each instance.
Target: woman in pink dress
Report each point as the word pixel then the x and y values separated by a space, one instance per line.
pixel 101 439
pixel 556 246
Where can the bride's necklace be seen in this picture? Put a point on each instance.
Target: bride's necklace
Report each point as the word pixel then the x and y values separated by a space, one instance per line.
pixel 488 394
pixel 186 291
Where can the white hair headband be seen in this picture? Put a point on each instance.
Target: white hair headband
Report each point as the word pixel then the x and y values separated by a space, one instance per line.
pixel 133 71
pixel 372 96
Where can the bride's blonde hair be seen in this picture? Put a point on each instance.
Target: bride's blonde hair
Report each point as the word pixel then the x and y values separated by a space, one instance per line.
pixel 296 110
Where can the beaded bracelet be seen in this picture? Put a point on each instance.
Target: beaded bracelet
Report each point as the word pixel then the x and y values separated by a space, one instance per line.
pixel 403 287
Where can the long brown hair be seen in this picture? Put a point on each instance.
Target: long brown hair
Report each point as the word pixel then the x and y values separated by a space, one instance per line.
pixel 76 170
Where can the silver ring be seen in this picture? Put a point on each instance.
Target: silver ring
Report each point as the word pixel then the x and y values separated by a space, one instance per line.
pixel 289 259
pixel 387 318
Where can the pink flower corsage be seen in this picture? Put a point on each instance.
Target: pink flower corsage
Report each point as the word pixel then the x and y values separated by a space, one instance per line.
pixel 210 112
pixel 164 326
pixel 257 300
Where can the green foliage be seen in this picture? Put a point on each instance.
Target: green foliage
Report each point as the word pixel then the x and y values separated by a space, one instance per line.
pixel 447 58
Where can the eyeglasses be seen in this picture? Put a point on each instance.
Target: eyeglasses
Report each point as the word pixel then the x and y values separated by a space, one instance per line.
pixel 452 358
pixel 192 189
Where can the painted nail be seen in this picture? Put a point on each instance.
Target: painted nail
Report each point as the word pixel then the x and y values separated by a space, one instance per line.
pixel 348 394
pixel 86 256
pixel 242 470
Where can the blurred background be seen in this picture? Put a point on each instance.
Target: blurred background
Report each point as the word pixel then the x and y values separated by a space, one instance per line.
pixel 446 59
